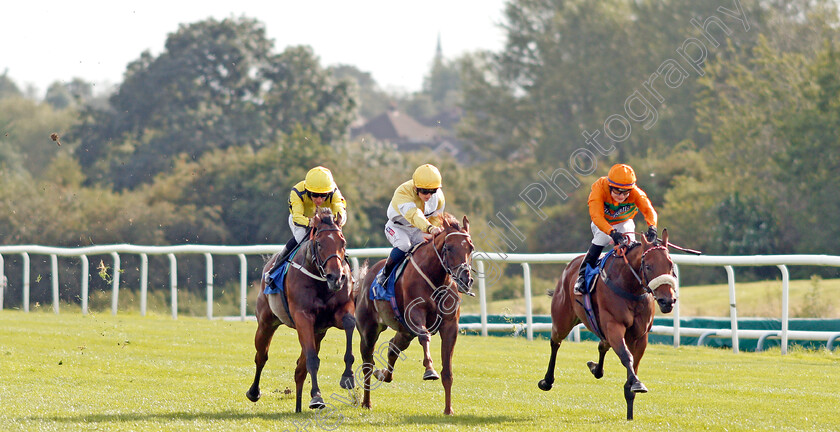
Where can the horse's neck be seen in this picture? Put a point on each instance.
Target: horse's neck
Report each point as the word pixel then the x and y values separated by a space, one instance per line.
pixel 305 253
pixel 624 273
pixel 430 263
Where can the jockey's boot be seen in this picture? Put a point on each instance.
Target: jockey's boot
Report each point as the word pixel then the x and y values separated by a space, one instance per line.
pixel 591 259
pixel 396 256
pixel 282 257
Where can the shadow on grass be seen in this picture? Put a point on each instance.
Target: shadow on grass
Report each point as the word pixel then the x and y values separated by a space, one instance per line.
pixel 165 417
pixel 460 419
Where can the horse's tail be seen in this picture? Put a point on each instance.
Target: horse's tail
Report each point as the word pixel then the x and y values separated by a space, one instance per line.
pixel 360 277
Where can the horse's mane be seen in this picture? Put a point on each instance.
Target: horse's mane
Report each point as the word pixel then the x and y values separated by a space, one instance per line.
pixel 451 220
pixel 326 216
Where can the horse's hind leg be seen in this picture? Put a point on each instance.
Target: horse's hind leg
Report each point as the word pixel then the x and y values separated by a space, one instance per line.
pixel 349 323
pixel 563 321
pixel 267 323
pixel 547 382
pixel 395 349
pixel 598 369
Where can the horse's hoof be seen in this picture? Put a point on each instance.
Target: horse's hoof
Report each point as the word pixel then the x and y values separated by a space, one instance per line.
pixel 596 372
pixel 317 403
pixel 253 396
pixel 431 375
pixel 381 375
pixel 545 385
pixel 448 411
pixel 638 387
pixel 347 382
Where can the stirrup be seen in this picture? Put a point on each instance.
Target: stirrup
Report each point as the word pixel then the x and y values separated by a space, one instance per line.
pixel 381 279
pixel 580 288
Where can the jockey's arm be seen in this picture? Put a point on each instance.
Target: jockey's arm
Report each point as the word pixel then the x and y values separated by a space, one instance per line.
pixel 596 211
pixel 339 206
pixel 296 209
pixel 646 208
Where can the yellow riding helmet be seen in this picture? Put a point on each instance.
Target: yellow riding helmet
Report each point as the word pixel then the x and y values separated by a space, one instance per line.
pixel 319 180
pixel 622 176
pixel 427 177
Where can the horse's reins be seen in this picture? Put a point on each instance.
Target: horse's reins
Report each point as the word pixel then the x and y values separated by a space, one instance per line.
pixel 643 279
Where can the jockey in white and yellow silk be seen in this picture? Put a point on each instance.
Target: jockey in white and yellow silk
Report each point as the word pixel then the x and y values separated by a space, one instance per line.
pixel 317 190
pixel 415 214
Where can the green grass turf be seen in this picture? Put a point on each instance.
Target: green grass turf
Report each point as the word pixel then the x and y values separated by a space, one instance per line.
pixel 808 299
pixel 126 372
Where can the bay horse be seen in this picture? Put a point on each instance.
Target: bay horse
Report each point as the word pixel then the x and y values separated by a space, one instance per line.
pixel 428 298
pixel 623 307
pixel 318 295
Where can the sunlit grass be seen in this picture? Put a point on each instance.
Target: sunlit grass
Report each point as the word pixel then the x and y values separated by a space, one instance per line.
pixel 818 298
pixel 125 372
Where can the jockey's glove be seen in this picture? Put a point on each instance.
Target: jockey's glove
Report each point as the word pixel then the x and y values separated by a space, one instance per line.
pixel 651 233
pixel 617 237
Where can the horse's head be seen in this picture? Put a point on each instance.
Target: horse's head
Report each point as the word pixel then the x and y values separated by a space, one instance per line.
pixel 328 247
pixel 456 252
pixel 657 270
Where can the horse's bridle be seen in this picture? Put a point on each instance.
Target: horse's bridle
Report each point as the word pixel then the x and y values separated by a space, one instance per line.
pixel 643 280
pixel 316 252
pixel 459 270
pixel 319 264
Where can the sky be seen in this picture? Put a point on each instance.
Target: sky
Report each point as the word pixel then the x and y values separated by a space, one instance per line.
pixel 46 41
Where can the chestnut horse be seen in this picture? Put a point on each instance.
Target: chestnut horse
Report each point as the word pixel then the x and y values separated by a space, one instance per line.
pixel 318 295
pixel 623 306
pixel 428 298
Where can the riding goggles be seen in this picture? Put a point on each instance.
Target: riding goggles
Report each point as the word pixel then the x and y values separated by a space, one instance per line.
pixel 426 191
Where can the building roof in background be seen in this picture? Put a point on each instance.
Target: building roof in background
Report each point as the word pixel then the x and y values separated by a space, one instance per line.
pixel 398 127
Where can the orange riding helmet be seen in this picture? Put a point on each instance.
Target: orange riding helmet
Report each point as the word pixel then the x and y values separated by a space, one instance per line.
pixel 622 176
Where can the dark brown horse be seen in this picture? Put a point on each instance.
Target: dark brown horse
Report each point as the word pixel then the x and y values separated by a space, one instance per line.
pixel 623 307
pixel 318 295
pixel 428 297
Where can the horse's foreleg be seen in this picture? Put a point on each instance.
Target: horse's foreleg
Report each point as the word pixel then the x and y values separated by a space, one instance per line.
pixel 349 323
pixel 266 326
pixel 598 369
pixel 300 377
pixel 309 343
pixel 629 397
pixel 448 336
pixel 632 385
pixel 430 374
pixel 637 350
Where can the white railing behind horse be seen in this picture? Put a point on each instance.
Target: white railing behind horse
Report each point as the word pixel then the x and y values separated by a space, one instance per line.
pixel 480 258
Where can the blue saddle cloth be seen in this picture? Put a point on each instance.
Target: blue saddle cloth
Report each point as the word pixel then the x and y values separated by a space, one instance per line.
pixel 278 276
pixel 591 272
pixel 378 292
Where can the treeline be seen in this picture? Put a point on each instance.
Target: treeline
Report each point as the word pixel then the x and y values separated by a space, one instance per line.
pixel 728 110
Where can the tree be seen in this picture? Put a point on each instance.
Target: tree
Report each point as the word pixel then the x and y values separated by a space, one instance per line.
pixel 371 99
pixel 76 93
pixel 8 88
pixel 216 85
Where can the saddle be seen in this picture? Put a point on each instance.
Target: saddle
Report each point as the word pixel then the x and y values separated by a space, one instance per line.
pixel 590 277
pixel 388 292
